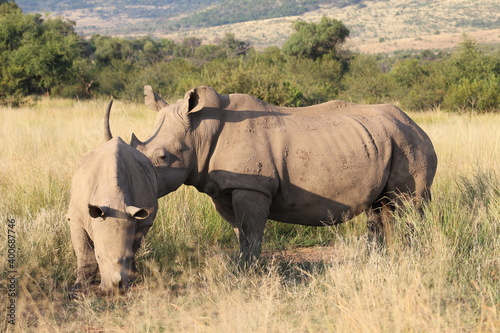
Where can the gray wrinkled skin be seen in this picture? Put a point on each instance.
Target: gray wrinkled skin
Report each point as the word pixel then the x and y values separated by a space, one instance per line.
pixel 317 165
pixel 113 205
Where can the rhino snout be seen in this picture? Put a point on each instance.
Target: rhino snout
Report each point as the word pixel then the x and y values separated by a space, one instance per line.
pixel 116 279
pixel 118 282
pixel 116 275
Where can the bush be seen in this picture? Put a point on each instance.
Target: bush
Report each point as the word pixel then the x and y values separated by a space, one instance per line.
pixel 473 79
pixel 479 95
pixel 257 79
pixel 365 82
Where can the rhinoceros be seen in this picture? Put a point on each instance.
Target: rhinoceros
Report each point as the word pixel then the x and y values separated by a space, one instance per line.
pixel 317 165
pixel 113 205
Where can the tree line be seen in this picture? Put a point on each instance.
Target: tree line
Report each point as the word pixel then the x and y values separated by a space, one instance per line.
pixel 45 56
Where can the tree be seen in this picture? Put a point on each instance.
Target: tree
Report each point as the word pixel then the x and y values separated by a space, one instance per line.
pixel 37 54
pixel 7 7
pixel 473 78
pixel 49 55
pixel 313 40
pixel 109 49
pixel 233 46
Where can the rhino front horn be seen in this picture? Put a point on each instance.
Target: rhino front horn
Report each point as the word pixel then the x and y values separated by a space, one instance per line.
pixel 107 131
pixel 134 142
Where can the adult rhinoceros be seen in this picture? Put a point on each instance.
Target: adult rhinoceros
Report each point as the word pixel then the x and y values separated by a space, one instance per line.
pixel 113 205
pixel 317 165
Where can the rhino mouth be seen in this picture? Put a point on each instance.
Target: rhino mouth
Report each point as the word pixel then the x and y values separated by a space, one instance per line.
pixel 120 285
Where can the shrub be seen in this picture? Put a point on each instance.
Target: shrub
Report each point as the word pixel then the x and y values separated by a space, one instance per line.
pixel 479 95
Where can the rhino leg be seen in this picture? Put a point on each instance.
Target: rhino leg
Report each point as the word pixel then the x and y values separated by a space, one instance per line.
pixel 224 206
pixel 139 237
pixel 85 258
pixel 380 222
pixel 251 209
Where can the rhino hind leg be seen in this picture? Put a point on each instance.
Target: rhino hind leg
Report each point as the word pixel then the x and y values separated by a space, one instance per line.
pixel 380 222
pixel 381 214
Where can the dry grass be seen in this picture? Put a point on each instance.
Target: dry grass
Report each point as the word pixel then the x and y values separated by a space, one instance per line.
pixel 448 280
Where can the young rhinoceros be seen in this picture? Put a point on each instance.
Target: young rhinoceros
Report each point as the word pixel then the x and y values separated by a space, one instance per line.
pixel 113 205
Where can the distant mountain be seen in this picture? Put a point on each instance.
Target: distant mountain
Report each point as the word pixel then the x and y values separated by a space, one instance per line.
pixel 375 25
pixel 130 8
pixel 193 14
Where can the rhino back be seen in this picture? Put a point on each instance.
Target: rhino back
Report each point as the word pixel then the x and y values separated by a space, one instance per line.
pixel 323 161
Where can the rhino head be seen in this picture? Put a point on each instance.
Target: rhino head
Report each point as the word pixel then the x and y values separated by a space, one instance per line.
pixel 116 235
pixel 180 139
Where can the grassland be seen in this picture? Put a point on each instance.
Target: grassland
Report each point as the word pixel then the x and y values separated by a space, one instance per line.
pixel 311 279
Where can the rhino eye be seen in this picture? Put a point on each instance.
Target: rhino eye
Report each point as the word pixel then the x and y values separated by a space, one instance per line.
pixel 160 157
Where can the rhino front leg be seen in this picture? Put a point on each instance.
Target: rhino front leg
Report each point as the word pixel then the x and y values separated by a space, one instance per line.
pixel 87 267
pixel 251 209
pixel 139 237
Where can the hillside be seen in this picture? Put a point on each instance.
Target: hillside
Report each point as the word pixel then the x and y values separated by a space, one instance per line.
pixel 376 26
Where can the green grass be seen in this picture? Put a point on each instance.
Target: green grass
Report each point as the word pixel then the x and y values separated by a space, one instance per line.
pixel 440 275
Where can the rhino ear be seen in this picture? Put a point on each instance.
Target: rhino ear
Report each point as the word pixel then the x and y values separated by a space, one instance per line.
pixel 138 213
pixel 195 99
pixel 152 100
pixel 96 211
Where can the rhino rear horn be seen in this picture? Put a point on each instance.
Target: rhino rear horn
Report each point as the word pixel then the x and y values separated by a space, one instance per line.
pixel 152 99
pixel 134 141
pixel 107 131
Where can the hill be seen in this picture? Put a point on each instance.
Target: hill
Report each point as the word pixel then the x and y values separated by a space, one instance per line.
pixel 376 26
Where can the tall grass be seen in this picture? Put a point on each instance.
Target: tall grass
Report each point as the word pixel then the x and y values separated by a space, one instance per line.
pixel 440 274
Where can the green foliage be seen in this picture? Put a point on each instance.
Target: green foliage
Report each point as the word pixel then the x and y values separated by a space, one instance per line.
pixel 254 77
pixel 319 80
pixel 46 56
pixel 7 7
pixel 313 40
pixel 473 79
pixel 38 55
pixel 465 80
pixel 467 94
pixel 418 85
pixel 365 82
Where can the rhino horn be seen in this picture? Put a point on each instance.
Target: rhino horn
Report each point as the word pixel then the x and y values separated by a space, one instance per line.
pixel 152 99
pixel 134 141
pixel 107 131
